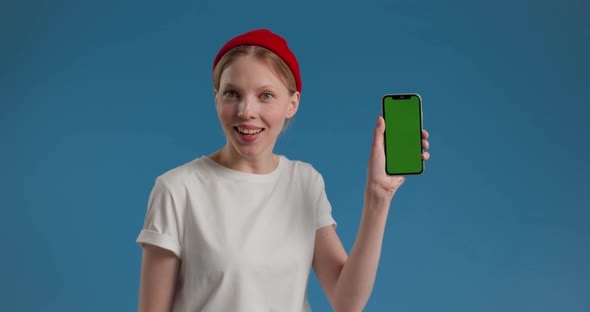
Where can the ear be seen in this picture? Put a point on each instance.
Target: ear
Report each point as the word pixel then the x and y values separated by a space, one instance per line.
pixel 293 105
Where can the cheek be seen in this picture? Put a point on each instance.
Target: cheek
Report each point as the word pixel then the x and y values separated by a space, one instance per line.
pixel 278 117
pixel 225 112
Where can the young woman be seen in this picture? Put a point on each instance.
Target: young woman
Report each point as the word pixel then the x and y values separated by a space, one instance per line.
pixel 240 229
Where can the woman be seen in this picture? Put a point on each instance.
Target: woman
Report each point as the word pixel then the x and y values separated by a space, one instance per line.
pixel 240 229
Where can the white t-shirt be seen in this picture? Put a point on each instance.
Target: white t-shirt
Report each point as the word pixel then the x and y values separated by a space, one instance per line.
pixel 245 240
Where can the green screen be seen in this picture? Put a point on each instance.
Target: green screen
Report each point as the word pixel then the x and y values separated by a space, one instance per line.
pixel 403 134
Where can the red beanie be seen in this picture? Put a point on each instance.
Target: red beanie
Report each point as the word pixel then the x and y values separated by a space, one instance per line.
pixel 266 39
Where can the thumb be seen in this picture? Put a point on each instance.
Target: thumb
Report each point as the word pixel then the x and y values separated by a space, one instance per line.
pixel 378 136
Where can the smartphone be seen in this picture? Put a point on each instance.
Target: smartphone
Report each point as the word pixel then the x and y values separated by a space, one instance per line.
pixel 403 134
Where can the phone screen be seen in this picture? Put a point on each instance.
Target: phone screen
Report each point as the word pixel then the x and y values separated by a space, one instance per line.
pixel 403 134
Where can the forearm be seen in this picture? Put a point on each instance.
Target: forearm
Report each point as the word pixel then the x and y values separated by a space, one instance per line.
pixel 357 277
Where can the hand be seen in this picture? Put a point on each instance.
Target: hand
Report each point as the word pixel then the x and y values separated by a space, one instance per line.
pixel 377 180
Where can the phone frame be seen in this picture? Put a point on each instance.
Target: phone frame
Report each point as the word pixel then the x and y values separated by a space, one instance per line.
pixel 402 96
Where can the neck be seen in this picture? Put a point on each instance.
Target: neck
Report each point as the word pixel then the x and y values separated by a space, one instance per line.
pixel 262 164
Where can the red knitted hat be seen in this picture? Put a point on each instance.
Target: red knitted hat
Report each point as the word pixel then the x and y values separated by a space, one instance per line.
pixel 266 39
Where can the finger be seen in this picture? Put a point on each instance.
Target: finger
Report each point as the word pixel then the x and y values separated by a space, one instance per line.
pixel 425 155
pixel 425 134
pixel 425 144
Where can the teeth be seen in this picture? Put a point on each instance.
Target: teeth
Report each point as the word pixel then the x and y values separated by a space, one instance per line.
pixel 249 131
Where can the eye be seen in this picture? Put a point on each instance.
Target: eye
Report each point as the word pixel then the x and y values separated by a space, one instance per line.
pixel 230 93
pixel 266 96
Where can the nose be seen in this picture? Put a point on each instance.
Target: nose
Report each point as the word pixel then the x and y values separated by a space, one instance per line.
pixel 246 108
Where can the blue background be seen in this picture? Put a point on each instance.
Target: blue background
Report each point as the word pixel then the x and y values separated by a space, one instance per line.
pixel 97 99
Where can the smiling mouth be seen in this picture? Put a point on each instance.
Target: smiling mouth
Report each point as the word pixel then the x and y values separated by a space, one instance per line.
pixel 248 131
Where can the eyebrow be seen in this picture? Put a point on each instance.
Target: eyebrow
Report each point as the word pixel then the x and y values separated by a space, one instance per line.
pixel 228 85
pixel 232 86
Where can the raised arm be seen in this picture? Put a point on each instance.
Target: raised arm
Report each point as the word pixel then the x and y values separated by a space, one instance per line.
pixel 159 272
pixel 348 281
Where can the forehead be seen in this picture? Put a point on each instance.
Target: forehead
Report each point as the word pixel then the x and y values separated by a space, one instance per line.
pixel 250 69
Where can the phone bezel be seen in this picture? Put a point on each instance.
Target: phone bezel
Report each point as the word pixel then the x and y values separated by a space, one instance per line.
pixel 397 96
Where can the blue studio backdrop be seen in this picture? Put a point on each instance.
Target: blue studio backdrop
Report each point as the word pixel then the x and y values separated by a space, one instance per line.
pixel 98 98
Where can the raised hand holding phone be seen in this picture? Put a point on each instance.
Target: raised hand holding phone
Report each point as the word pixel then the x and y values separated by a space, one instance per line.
pixel 361 265
pixel 379 181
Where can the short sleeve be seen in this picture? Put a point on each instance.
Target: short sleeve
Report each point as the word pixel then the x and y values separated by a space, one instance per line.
pixel 324 208
pixel 162 223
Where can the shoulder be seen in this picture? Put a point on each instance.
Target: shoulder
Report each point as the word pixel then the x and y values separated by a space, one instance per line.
pixel 176 179
pixel 301 169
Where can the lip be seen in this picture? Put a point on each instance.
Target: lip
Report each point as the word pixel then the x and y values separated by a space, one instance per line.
pixel 249 127
pixel 248 138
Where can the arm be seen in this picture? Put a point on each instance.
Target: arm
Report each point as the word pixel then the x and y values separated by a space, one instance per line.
pixel 159 270
pixel 348 281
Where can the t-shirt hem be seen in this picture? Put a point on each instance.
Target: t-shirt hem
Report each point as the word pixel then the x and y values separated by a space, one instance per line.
pixel 325 221
pixel 159 240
